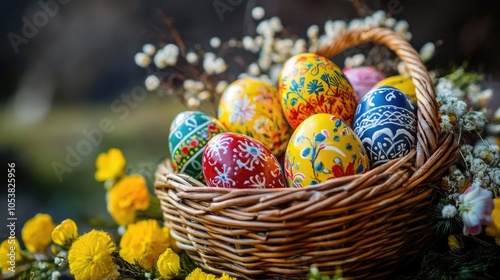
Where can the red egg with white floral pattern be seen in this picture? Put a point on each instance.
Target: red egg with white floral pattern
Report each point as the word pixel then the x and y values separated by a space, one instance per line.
pixel 234 160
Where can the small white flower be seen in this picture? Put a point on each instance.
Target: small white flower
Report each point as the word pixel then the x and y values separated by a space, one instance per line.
pixel 275 24
pixel 445 124
pixel 258 13
pixel 379 16
pixel 192 57
pixel 189 84
pixel 248 43
pixel 355 23
pixel 159 60
pixel 142 60
pixel 198 86
pixel 390 22
pixel 264 29
pixel 55 275
pixel 339 26
pixel 253 69
pixel 208 63
pixel 371 22
pixel 427 51
pixel 204 95
pixel 407 35
pixel 121 230
pixel 258 41
pixel 313 31
pixel 152 82
pixel 264 62
pixel 482 98
pixel 219 65
pixel 329 28
pixel 449 211
pixel 496 115
pixel 215 42
pixel 265 79
pixel 348 62
pixel 274 73
pixel 300 47
pixel 221 86
pixel 232 42
pixel 171 50
pixel 149 49
pixel 147 275
pixel 402 69
pixel 358 59
pixel 401 26
pixel 42 265
pixel 193 103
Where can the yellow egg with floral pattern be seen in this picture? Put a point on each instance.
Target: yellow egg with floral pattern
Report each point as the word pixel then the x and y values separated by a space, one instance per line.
pixel 310 84
pixel 252 107
pixel 321 148
pixel 402 83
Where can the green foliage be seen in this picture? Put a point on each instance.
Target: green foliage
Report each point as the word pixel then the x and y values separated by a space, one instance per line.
pixel 477 259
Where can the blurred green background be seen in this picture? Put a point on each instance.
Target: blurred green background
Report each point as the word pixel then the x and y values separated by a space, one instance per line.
pixel 65 79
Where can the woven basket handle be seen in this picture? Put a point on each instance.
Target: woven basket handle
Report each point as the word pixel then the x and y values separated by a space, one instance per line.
pixel 428 126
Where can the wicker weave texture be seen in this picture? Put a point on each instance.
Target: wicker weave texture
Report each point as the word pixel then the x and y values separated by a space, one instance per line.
pixel 367 224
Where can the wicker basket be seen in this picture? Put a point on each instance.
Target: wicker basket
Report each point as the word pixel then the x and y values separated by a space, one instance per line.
pixel 368 224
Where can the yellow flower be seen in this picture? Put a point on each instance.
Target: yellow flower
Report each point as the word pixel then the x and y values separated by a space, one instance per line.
pixel 454 243
pixel 493 229
pixel 226 277
pixel 36 232
pixel 126 197
pixel 169 263
pixel 198 274
pixel 90 257
pixel 110 165
pixel 10 254
pixel 143 242
pixel 65 233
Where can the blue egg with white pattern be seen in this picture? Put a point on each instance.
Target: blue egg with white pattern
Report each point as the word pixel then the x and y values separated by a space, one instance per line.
pixel 385 121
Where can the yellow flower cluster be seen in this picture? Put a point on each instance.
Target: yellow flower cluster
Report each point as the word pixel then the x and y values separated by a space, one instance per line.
pixel 36 232
pixel 90 257
pixel 198 274
pixel 144 242
pixel 127 197
pixel 493 229
pixel 10 254
pixel 168 263
pixel 126 194
pixel 110 165
pixel 65 233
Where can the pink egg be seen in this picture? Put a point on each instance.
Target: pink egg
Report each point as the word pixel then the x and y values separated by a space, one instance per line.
pixel 234 160
pixel 363 78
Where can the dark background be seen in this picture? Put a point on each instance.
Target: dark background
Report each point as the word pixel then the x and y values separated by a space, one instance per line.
pixel 65 78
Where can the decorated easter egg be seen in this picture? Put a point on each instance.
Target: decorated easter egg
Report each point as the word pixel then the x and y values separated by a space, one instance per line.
pixel 323 147
pixel 234 160
pixel 310 84
pixel 252 107
pixel 189 133
pixel 402 83
pixel 386 123
pixel 363 78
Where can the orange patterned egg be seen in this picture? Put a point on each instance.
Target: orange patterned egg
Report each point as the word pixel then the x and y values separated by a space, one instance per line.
pixel 252 107
pixel 310 84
